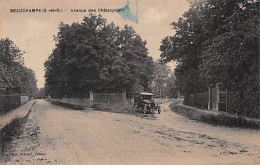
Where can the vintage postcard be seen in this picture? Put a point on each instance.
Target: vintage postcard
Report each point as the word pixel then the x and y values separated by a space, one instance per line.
pixel 129 82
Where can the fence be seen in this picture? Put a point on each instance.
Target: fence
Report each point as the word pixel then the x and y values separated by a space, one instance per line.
pixel 76 101
pixel 9 102
pixel 219 99
pixel 93 98
pixel 199 100
pixel 24 99
pixel 109 97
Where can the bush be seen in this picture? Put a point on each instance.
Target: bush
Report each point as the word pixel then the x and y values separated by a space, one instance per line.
pixel 113 107
pixel 244 104
pixel 216 119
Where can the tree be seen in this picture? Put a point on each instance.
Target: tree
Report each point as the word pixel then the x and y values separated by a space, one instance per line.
pixel 161 79
pixel 41 93
pixel 217 41
pixel 140 66
pixel 28 83
pixel 185 47
pixel 231 55
pixel 171 87
pixel 94 55
pixel 15 78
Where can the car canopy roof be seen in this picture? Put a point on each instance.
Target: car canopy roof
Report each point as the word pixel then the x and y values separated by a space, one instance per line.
pixel 147 94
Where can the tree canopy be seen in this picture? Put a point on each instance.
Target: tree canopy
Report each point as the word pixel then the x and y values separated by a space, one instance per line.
pixel 15 78
pixel 164 80
pixel 215 41
pixel 218 42
pixel 98 56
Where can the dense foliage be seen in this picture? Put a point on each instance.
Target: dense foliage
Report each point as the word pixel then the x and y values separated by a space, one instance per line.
pixel 164 81
pixel 217 41
pixel 94 55
pixel 41 93
pixel 15 78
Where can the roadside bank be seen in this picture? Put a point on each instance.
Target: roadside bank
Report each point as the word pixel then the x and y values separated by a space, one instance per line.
pixel 12 123
pixel 215 118
pixel 19 112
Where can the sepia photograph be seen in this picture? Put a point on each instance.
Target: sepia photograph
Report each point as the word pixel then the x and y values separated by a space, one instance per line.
pixel 129 82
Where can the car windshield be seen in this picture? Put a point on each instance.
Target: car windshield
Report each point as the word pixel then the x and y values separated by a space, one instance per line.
pixel 147 97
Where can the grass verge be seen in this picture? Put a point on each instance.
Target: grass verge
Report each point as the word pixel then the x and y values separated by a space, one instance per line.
pixel 67 105
pixel 215 119
pixel 13 129
pixel 117 107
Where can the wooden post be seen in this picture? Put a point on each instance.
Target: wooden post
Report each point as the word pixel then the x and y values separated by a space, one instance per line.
pixel 107 96
pixel 124 99
pixel 210 97
pixel 217 104
pixel 91 97
pixel 218 99
pixel 226 100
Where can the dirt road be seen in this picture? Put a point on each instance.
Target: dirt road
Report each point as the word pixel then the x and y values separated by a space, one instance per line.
pixel 56 135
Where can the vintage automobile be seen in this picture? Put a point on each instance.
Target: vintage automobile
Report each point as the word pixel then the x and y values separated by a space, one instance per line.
pixel 145 102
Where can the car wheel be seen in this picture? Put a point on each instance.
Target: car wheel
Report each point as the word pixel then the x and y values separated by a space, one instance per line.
pixel 159 110
pixel 135 108
pixel 145 110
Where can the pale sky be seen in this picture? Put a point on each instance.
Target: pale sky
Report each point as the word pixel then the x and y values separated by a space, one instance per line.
pixel 33 32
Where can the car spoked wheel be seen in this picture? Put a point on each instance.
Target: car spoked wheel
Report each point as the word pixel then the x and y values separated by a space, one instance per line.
pixel 145 109
pixel 135 108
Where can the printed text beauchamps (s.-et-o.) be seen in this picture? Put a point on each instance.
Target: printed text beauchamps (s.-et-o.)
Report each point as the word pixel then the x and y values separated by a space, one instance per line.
pixel 58 10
